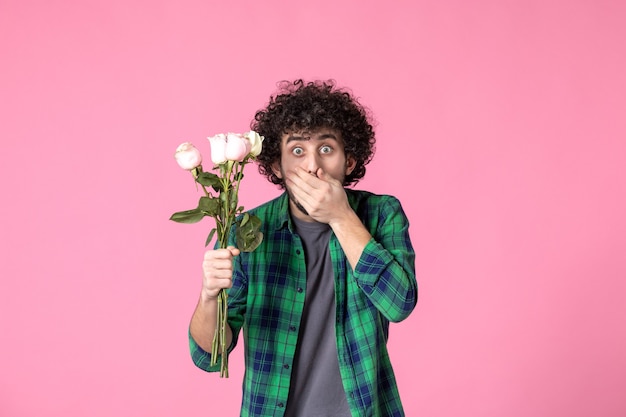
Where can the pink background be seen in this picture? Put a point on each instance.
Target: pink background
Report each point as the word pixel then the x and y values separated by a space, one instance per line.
pixel 501 128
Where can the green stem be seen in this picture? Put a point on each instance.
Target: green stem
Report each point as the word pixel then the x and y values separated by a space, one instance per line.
pixel 224 221
pixel 238 175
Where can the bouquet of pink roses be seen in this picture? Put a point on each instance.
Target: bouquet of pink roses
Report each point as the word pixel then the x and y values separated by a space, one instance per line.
pixel 229 154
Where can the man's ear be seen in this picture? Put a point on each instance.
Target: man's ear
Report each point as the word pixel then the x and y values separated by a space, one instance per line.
pixel 350 164
pixel 276 170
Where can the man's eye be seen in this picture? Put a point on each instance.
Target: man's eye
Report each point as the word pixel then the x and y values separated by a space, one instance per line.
pixel 326 149
pixel 297 151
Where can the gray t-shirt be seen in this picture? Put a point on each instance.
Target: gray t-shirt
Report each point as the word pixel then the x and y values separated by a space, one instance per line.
pixel 316 389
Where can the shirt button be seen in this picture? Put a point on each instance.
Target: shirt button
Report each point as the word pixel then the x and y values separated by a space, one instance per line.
pixel 298 252
pixel 286 366
pixel 292 328
pixel 281 405
pixel 299 289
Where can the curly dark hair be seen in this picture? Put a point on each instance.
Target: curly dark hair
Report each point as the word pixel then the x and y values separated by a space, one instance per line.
pixel 308 106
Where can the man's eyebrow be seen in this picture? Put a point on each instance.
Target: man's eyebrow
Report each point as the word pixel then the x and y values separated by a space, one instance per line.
pixel 327 136
pixel 292 138
pixel 295 137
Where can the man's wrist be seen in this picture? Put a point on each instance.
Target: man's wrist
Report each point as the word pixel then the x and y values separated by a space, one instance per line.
pixel 208 297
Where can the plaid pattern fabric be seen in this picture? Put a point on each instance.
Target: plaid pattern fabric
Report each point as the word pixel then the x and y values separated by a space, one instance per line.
pixel 267 299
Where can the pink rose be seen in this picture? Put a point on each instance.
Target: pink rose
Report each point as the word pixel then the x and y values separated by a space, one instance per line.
pixel 237 147
pixel 187 156
pixel 218 148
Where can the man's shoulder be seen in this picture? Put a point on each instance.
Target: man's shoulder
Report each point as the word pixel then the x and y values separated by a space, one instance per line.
pixel 268 205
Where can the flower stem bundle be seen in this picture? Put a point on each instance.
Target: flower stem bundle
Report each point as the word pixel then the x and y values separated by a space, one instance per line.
pixel 229 153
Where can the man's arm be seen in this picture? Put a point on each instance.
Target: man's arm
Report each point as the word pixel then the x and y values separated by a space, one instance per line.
pixel 217 270
pixel 386 269
pixel 384 266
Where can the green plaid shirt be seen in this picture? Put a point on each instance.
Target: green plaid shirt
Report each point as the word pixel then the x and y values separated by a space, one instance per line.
pixel 267 299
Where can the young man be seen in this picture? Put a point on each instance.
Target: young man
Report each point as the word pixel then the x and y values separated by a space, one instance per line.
pixel 335 267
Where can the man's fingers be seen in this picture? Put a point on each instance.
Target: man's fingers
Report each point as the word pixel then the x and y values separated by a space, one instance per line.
pixel 233 250
pixel 216 254
pixel 324 176
pixel 225 283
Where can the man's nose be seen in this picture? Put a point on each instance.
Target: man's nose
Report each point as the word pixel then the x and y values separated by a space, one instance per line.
pixel 311 164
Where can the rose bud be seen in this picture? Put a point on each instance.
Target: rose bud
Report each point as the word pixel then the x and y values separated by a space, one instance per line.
pixel 188 156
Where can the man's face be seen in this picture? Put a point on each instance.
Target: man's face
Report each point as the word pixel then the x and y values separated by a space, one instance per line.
pixel 322 148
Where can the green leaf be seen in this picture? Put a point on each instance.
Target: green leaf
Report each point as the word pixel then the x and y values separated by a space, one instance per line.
pixel 210 237
pixel 209 205
pixel 188 216
pixel 209 179
pixel 248 233
pixel 249 242
pixel 252 224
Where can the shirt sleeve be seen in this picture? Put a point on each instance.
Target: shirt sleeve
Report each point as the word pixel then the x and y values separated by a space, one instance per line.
pixel 386 268
pixel 200 357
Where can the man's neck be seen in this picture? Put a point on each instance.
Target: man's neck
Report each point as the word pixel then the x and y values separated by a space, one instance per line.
pixel 298 214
